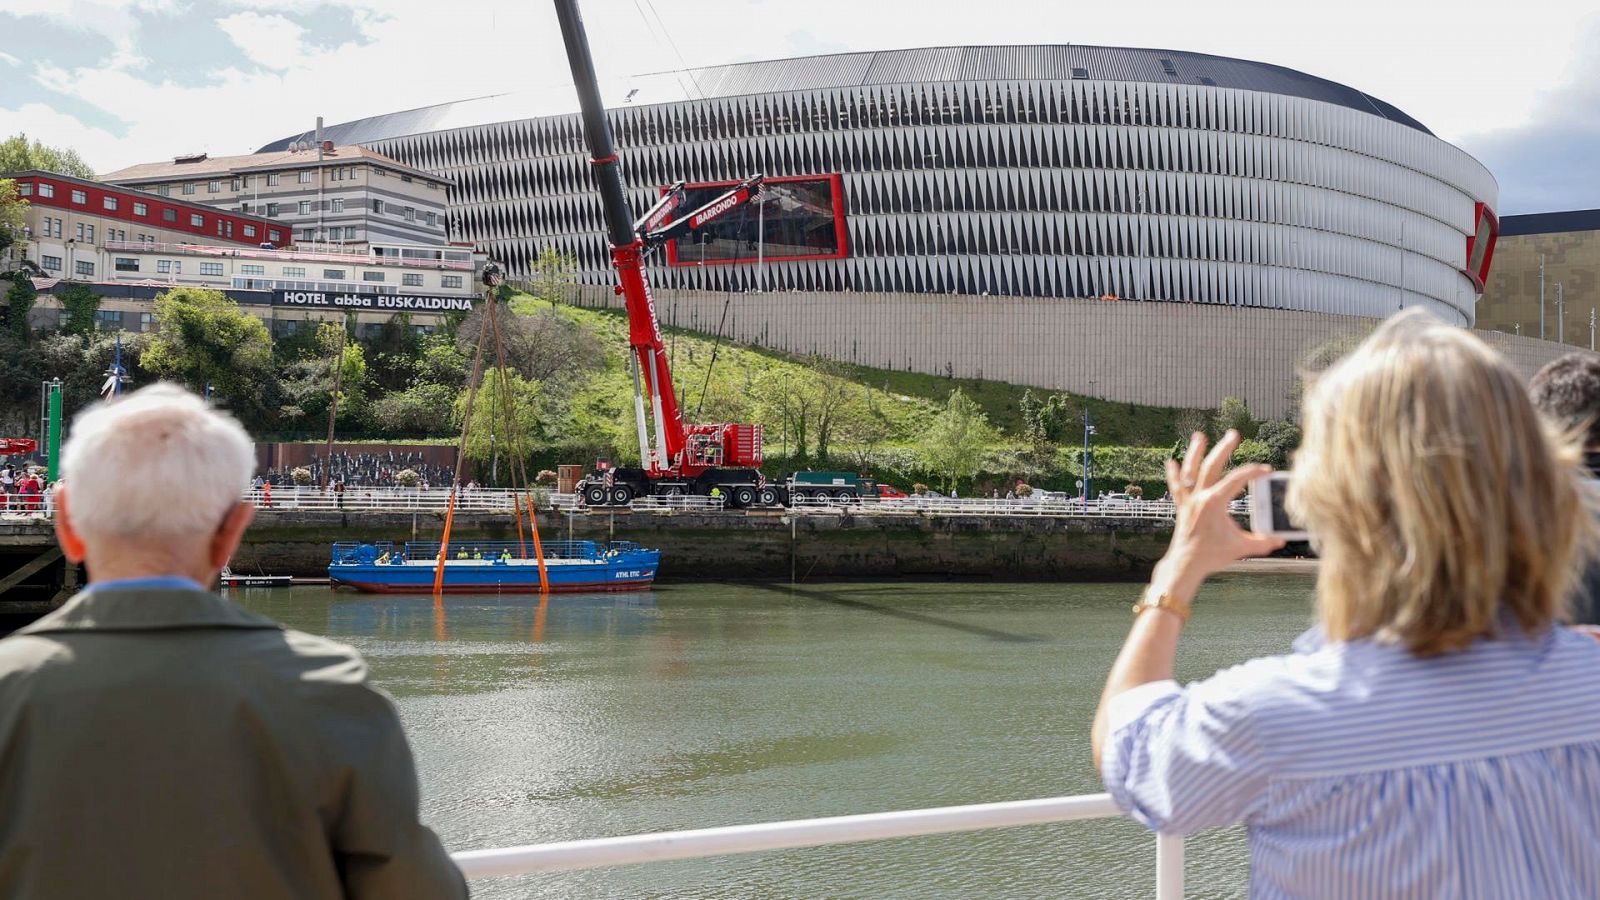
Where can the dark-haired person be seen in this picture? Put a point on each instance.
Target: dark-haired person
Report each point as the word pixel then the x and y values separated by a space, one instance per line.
pixel 1567 392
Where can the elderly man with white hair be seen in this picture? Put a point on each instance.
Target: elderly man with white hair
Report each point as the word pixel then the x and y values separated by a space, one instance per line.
pixel 158 741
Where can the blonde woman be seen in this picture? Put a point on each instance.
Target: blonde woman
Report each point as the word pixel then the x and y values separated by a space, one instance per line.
pixel 1437 734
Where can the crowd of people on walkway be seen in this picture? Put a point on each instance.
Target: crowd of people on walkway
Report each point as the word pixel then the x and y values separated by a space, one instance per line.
pixel 24 489
pixel 364 470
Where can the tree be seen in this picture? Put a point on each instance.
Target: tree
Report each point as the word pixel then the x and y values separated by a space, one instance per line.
pixel 1232 413
pixel 864 427
pixel 541 345
pixel 307 382
pixel 12 209
pixel 502 394
pixel 20 298
pixel 81 303
pixel 204 338
pixel 1281 438
pixel 788 397
pixel 17 154
pixel 951 445
pixel 553 274
pixel 419 409
pixel 833 394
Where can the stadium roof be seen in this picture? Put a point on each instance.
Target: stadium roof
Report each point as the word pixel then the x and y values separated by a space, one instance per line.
pixel 1550 222
pixel 1061 62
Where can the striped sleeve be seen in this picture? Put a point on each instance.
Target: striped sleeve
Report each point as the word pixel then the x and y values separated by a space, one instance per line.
pixel 1182 759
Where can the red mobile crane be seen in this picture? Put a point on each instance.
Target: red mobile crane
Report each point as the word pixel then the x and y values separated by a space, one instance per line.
pixel 683 459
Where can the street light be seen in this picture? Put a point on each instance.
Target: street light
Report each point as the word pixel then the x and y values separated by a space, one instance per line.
pixel 1088 429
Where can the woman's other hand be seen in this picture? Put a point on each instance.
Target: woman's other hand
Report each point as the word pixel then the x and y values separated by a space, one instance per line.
pixel 1205 538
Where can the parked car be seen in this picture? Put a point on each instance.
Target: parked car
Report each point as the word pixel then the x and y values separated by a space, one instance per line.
pixel 890 492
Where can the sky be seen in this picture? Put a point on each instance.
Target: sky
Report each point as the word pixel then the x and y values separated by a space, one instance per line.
pixel 1516 84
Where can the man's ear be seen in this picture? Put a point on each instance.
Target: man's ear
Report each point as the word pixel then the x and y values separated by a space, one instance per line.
pixel 72 545
pixel 227 538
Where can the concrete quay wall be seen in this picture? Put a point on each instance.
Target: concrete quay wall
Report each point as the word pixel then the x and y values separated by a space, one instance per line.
pixel 734 546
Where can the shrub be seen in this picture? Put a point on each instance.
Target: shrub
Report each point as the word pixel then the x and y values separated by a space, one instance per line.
pixel 301 476
pixel 1024 489
pixel 545 478
pixel 919 489
pixel 407 478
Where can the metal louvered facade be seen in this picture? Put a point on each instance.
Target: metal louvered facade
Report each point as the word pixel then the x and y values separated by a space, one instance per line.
pixel 997 173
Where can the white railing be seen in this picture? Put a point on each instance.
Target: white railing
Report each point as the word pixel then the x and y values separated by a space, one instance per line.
pixel 350 257
pixel 398 499
pixel 703 842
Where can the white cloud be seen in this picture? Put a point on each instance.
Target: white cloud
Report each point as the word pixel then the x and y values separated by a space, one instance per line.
pixel 272 41
pixel 39 121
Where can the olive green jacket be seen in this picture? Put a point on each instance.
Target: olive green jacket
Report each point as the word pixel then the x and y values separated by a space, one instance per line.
pixel 167 744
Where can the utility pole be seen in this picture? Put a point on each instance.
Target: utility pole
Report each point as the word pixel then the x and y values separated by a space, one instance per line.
pixel 1541 296
pixel 322 178
pixel 761 244
pixel 1561 315
pixel 1088 429
pixel 333 406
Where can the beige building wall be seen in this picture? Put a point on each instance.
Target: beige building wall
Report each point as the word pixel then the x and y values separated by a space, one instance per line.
pixel 1510 299
pixel 1164 354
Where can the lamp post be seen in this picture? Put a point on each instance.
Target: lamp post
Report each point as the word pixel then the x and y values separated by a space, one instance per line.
pixel 1088 429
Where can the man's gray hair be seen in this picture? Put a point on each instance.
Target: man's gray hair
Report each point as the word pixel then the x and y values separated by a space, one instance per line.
pixel 156 463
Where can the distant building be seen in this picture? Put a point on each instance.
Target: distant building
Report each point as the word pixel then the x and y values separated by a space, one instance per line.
pixel 341 196
pixel 129 245
pixel 1568 243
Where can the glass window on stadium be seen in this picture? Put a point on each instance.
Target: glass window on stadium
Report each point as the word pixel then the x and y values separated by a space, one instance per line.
pixel 796 218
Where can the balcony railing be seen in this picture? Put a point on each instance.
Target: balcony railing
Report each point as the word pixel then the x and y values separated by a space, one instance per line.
pixel 352 257
pixel 699 843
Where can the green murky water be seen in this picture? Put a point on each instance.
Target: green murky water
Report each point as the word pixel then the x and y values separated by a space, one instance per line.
pixel 699 705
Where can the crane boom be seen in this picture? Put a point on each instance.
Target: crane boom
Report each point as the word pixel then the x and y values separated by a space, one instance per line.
pixel 709 460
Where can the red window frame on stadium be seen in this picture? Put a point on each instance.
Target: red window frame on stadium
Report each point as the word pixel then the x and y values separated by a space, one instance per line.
pixel 94 205
pixel 1482 216
pixel 836 184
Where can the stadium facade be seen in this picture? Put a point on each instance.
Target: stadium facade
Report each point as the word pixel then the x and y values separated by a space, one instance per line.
pixel 1058 171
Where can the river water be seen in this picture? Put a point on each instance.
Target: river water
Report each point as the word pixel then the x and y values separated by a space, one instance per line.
pixel 716 704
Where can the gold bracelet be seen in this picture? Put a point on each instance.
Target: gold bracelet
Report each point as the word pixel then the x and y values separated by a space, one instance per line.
pixel 1163 601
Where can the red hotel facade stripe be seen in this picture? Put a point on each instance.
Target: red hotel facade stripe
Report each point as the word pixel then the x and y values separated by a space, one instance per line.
pixel 214 224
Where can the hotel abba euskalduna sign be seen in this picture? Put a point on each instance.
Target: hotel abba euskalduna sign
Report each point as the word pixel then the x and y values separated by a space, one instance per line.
pixel 379 302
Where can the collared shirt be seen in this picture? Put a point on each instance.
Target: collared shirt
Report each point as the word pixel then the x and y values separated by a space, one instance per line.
pixel 1362 770
pixel 149 582
pixel 163 742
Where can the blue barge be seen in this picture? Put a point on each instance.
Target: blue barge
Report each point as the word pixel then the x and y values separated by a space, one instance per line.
pixel 492 567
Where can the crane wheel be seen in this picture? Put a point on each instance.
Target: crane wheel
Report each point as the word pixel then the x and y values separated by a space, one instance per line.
pixel 621 495
pixel 769 496
pixel 595 495
pixel 744 497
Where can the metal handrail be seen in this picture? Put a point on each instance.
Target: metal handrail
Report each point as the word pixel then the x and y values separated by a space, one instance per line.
pixel 351 257
pixel 698 843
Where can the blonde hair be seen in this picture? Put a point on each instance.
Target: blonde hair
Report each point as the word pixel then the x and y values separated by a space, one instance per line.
pixel 155 465
pixel 1438 497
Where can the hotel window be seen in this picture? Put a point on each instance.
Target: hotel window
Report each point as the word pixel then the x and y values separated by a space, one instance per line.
pixel 249 231
pixel 305 177
pixel 244 207
pixel 163 190
pixel 411 279
pixel 406 178
pixel 170 215
pixel 433 219
pixel 90 229
pixel 351 232
pixel 219 228
pixel 80 232
pixel 109 202
pixel 252 270
pixel 53 263
pixel 25 189
pixel 188 188
pixel 371 276
pixel 84 268
pixel 163 266
pixel 274 235
pixel 450 281
pixel 272 210
pixel 308 234
pixel 377 206
pixel 140 209
pixel 127 264
pixel 335 233
pixel 305 207
pixel 411 214
pixel 213 187
pixel 272 180
pixel 235 184
pixel 333 274
pixel 109 319
pixel 338 204
pixel 47 190
pixel 197 220
pixel 249 180
pixel 294 271
pixel 147 321
pixel 79 197
pixel 211 268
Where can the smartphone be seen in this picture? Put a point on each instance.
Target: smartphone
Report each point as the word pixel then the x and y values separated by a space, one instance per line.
pixel 1267 512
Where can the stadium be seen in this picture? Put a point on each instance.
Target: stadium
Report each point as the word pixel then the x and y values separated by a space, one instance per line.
pixel 1029 172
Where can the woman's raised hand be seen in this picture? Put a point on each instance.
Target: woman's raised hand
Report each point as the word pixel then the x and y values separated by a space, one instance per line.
pixel 1206 538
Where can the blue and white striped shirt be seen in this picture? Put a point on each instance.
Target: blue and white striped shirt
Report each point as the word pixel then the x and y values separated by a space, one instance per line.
pixel 1361 770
